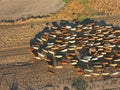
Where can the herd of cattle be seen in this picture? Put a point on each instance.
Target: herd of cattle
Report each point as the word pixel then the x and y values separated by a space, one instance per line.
pixel 93 49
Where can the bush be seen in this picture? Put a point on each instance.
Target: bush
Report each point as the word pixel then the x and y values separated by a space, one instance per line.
pixel 80 84
pixel 65 1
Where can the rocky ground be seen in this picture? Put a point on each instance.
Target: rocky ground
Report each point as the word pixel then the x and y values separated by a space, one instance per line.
pixel 15 42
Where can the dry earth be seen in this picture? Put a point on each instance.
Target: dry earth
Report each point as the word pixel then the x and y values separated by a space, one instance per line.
pixel 36 77
pixel 12 9
pixel 15 41
pixel 106 7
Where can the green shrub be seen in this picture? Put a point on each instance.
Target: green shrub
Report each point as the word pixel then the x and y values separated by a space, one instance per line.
pixel 80 84
pixel 65 1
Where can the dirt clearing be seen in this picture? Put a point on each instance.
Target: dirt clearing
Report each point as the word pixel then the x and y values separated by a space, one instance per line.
pixel 12 9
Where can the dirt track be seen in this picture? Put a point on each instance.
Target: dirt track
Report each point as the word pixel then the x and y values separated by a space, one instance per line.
pixel 12 55
pixel 12 9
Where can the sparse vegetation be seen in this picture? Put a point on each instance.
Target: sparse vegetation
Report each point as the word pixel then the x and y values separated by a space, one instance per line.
pixel 65 1
pixel 80 84
pixel 90 12
pixel 83 17
pixel 83 2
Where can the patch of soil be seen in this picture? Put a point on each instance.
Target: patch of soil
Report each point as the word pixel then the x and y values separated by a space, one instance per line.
pixel 12 9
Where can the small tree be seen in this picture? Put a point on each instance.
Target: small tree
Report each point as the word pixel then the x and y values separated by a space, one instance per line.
pixel 80 84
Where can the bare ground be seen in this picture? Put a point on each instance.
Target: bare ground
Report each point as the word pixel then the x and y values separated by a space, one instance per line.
pixel 12 9
pixel 35 76
pixel 27 75
pixel 15 41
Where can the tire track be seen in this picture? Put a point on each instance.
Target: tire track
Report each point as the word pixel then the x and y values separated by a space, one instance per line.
pixel 10 52
pixel 11 56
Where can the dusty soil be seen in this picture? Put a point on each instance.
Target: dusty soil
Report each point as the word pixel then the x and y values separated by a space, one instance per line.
pixel 12 9
pixel 15 42
pixel 105 7
pixel 36 77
